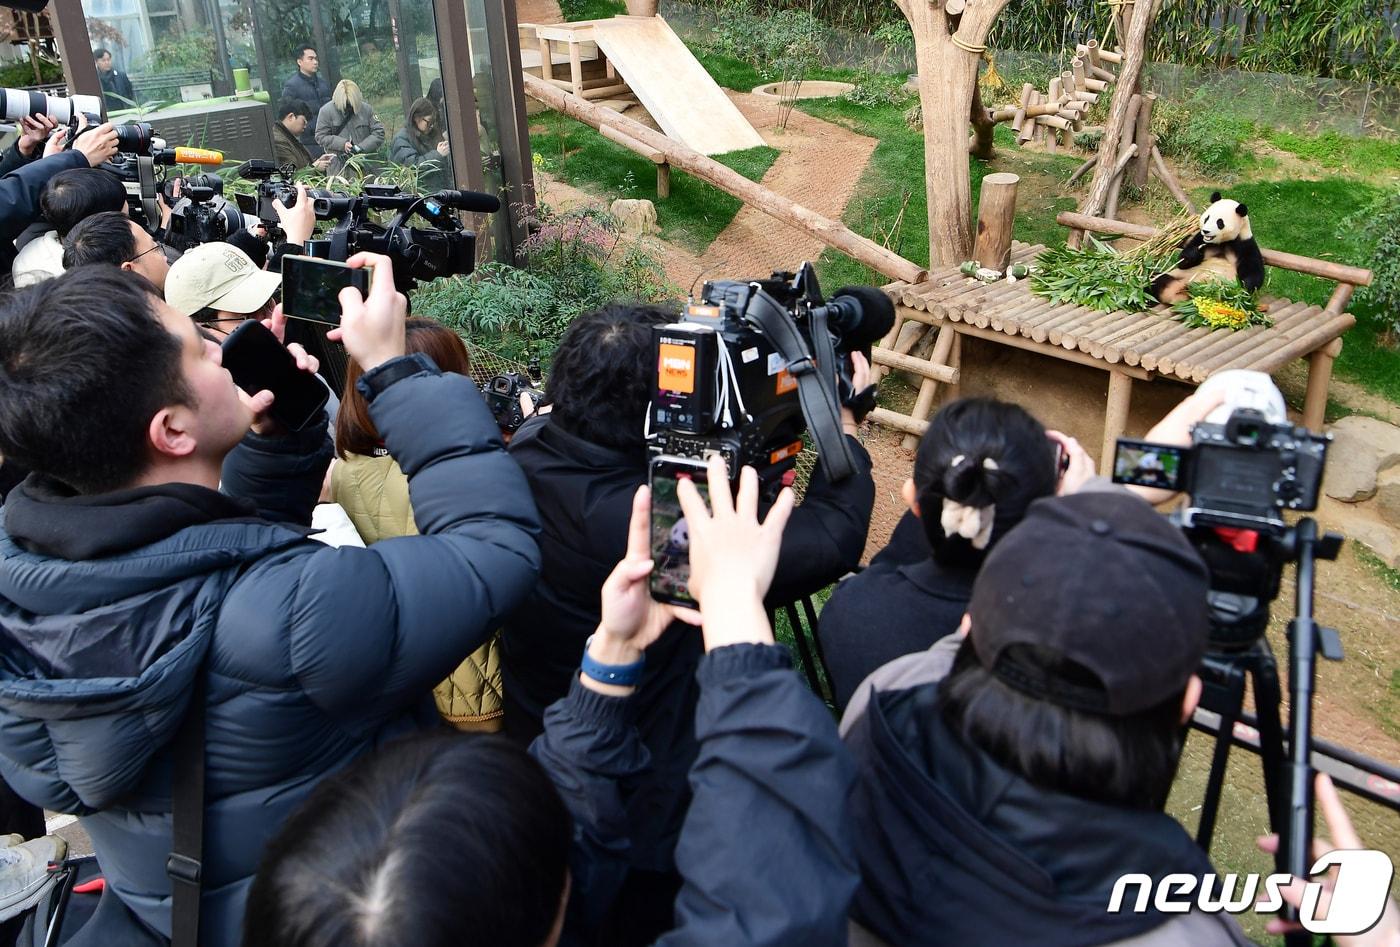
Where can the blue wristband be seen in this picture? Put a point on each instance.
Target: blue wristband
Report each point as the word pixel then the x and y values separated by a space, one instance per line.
pixel 621 675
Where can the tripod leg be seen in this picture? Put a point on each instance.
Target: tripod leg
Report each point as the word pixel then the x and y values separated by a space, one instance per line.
pixel 1267 697
pixel 1224 694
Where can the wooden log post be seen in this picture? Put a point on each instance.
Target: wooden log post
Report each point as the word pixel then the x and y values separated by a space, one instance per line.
pixel 833 233
pixel 1115 417
pixel 1028 125
pixel 663 180
pixel 996 214
pixel 942 355
pixel 1319 377
pixel 1143 138
pixel 1164 174
pixel 1027 91
pixel 1081 77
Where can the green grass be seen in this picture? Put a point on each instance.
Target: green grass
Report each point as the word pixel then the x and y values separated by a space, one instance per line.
pixel 1339 152
pixel 692 216
pixel 591 9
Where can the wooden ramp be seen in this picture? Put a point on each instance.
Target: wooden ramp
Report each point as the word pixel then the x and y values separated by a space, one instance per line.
pixel 672 85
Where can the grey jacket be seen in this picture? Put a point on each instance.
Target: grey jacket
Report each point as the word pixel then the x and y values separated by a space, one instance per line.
pixel 113 607
pixel 334 128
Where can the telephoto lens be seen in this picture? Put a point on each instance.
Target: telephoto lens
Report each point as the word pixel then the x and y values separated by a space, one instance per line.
pixel 135 138
pixel 16 104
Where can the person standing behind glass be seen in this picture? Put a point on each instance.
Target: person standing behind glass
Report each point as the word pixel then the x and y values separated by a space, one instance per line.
pixel 308 85
pixel 116 85
pixel 420 143
pixel 347 125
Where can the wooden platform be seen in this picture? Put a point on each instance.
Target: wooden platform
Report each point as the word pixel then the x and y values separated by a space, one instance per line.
pixel 1129 346
pixel 644 56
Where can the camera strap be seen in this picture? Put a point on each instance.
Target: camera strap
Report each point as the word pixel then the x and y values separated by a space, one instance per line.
pixel 185 864
pixel 146 175
pixel 814 376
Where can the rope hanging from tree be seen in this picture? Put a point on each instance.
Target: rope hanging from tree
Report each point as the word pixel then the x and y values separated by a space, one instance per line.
pixel 973 48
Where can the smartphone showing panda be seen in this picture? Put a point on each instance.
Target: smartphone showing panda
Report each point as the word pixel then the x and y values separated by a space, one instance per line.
pixel 670 535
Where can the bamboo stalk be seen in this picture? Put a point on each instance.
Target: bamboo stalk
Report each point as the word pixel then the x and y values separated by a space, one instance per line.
pixel 1040 332
pixel 908 363
pixel 898 421
pixel 1107 329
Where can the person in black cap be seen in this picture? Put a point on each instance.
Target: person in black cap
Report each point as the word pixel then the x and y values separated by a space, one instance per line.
pixel 1000 803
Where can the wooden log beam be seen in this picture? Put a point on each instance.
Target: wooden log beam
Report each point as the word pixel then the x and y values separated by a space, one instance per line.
pixel 1135 47
pixel 899 422
pixel 916 366
pixel 996 213
pixel 631 144
pixel 1326 269
pixel 1082 169
pixel 1142 136
pixel 831 232
pixel 1164 174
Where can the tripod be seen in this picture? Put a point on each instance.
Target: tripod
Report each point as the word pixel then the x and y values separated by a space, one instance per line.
pixel 1286 756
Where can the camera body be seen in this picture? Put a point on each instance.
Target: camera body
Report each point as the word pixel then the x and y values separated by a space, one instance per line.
pixel 1241 473
pixel 727 375
pixel 202 216
pixel 502 394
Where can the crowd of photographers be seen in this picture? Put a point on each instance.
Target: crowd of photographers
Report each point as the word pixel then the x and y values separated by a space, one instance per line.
pixel 1014 669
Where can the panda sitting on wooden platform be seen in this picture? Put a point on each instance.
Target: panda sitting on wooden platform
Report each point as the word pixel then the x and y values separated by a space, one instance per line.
pixel 1224 247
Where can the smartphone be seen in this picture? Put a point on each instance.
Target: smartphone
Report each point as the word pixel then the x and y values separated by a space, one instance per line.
pixel 311 287
pixel 257 362
pixel 1143 464
pixel 670 536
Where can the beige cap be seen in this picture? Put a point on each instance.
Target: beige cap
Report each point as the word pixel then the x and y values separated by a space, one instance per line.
pixel 218 276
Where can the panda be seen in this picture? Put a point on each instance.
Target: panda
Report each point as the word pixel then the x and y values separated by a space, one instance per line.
pixel 1224 247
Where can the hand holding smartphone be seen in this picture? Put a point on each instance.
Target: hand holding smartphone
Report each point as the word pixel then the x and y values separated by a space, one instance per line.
pixel 670 534
pixel 311 287
pixel 258 362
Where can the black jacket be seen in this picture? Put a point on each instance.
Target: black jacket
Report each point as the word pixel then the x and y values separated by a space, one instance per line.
pixel 954 849
pixel 116 90
pixel 315 92
pixel 766 854
pixel 887 611
pixel 19 199
pixel 584 493
pixel 111 607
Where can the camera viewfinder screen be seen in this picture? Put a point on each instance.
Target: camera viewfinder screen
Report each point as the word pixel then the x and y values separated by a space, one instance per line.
pixel 1148 465
pixel 311 288
pixel 670 537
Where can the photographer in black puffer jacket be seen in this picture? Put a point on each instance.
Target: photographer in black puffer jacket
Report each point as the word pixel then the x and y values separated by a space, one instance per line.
pixel 129 582
pixel 585 460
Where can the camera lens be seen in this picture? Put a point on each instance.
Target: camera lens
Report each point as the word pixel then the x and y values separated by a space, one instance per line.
pixel 134 137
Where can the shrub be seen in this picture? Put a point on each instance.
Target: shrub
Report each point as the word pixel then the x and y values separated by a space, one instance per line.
pixel 1214 142
pixel 184 51
pixel 874 91
pixel 578 261
pixel 1378 229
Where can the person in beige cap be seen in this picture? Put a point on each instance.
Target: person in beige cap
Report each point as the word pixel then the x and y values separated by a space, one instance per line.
pixel 219 286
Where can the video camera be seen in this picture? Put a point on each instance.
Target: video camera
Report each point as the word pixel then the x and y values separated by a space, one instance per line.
pixel 201 214
pixel 418 253
pixel 753 365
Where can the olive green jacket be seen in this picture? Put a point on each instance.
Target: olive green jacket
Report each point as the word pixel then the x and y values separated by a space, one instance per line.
pixel 374 493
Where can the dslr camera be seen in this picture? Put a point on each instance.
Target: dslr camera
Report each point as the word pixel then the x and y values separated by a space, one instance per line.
pixel 1242 473
pixel 502 394
pixel 752 365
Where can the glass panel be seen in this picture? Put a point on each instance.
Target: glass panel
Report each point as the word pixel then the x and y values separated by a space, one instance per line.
pixel 487 126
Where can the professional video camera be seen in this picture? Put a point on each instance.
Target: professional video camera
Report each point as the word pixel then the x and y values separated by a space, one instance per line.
pixel 200 214
pixel 754 364
pixel 418 253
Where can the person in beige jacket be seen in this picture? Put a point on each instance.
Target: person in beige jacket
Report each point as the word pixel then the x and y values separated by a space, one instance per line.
pixel 372 489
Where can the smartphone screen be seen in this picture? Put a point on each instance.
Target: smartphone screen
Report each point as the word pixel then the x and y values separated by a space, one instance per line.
pixel 1143 464
pixel 670 536
pixel 257 362
pixel 311 287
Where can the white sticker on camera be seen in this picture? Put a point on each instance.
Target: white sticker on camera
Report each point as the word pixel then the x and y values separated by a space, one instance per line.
pixel 748 355
pixel 776 363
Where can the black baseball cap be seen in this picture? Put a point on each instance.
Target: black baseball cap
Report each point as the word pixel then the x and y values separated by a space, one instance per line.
pixel 1106 582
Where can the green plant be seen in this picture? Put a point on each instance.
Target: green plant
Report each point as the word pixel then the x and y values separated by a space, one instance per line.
pixel 880 90
pixel 574 10
pixel 1213 141
pixel 1218 304
pixel 20 74
pixel 578 261
pixel 186 50
pixel 1378 227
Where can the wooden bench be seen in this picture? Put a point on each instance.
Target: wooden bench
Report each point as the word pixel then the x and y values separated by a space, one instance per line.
pixel 1136 346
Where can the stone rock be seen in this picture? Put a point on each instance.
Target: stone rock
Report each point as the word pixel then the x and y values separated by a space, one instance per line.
pixel 1380 539
pixel 1388 496
pixel 637 217
pixel 1362 448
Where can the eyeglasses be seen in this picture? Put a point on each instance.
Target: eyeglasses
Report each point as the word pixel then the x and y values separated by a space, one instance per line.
pixel 157 246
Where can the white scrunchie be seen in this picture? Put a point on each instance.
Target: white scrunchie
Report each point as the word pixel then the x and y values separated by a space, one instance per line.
pixel 973 523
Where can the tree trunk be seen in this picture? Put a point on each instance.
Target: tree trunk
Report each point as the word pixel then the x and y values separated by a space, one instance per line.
pixel 982 126
pixel 947 178
pixel 1134 49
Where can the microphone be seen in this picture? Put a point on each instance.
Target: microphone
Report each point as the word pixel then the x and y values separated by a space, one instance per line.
pixel 868 315
pixel 187 156
pixel 473 201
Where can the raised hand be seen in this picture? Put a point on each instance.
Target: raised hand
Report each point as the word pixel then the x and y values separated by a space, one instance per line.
pixel 372 327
